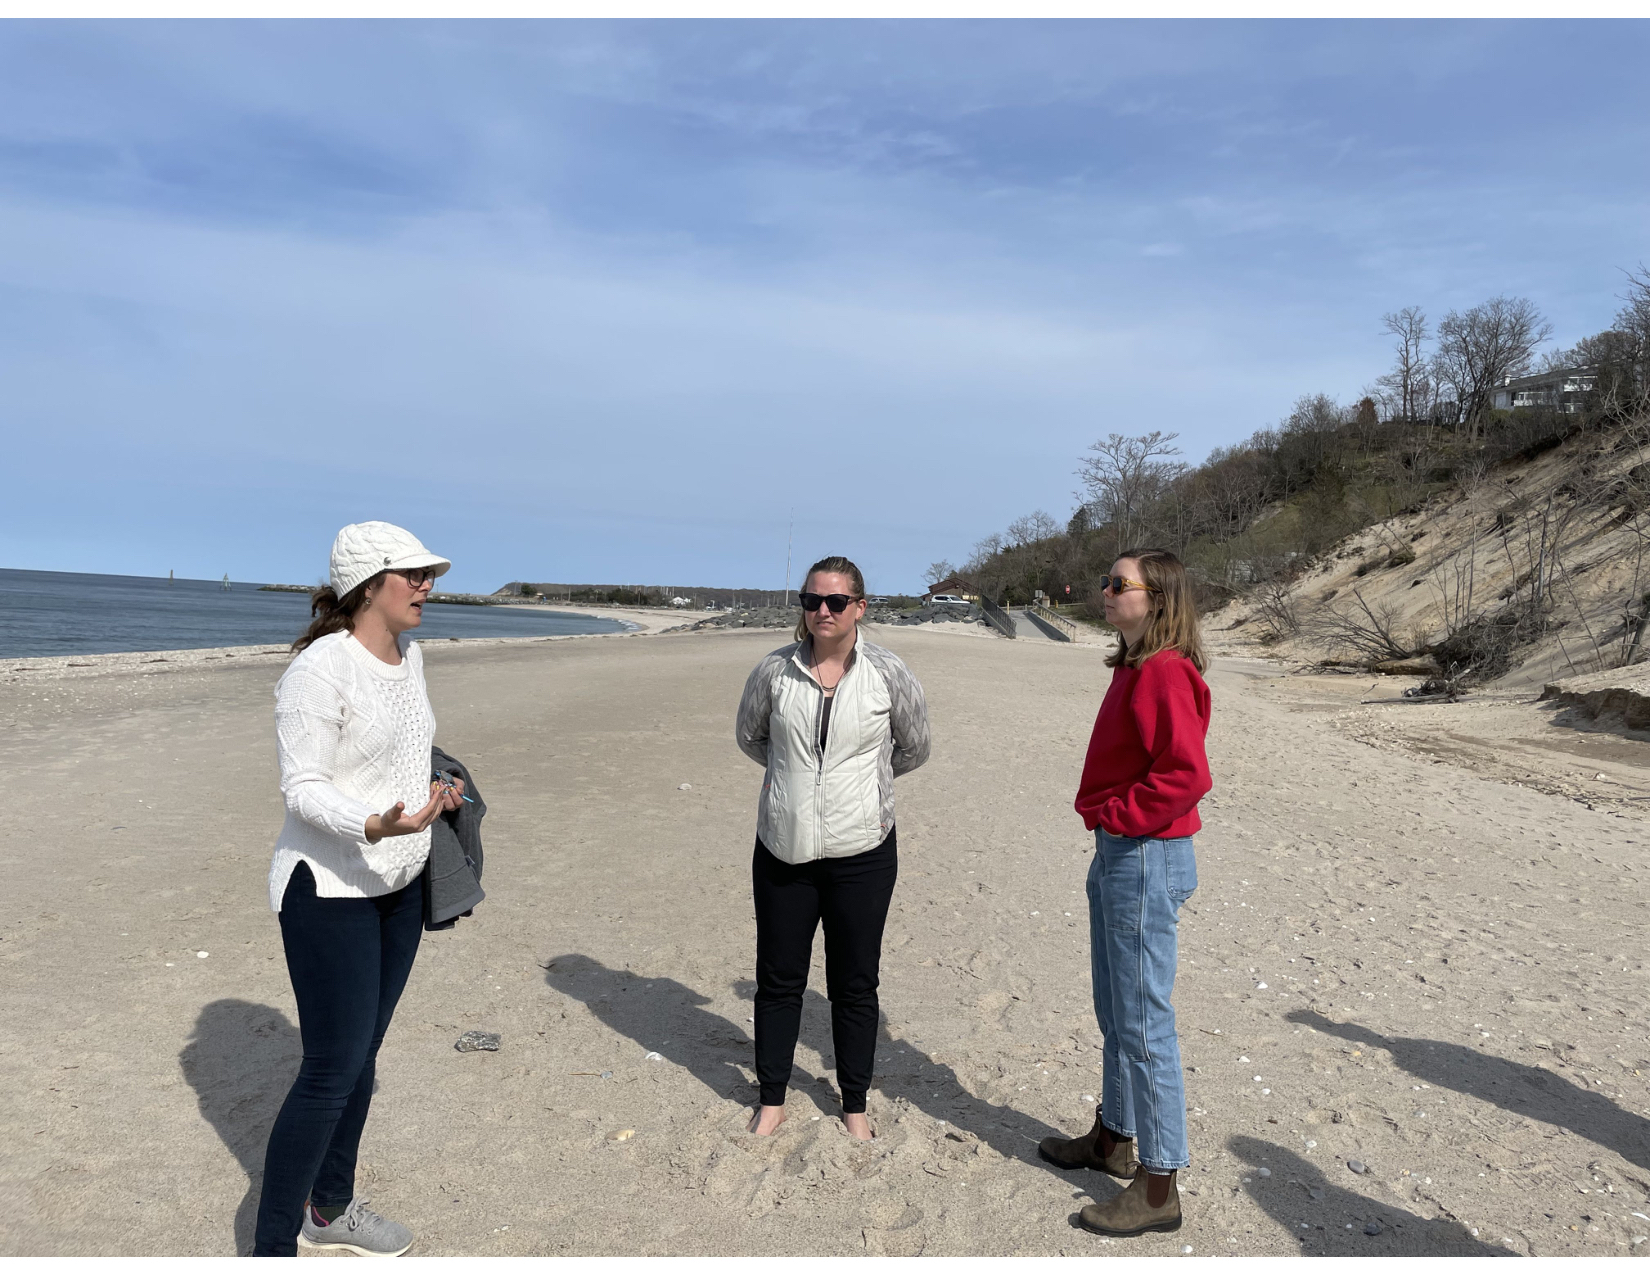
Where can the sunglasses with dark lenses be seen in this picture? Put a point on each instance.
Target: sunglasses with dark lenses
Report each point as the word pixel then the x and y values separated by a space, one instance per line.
pixel 416 576
pixel 838 602
pixel 1116 585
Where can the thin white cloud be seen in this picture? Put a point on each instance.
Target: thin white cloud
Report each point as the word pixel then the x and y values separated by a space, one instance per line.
pixel 670 271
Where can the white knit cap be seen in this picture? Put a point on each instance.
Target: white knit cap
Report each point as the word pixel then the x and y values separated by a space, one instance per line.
pixel 363 549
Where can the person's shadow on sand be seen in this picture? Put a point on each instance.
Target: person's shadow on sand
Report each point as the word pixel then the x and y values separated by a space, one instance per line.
pixel 1297 1192
pixel 1516 1087
pixel 663 1015
pixel 240 1061
pixel 932 1087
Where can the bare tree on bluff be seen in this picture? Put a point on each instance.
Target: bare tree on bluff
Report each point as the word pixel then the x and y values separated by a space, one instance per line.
pixel 1634 324
pixel 1124 477
pixel 1234 484
pixel 1040 525
pixel 1483 347
pixel 1407 388
pixel 1307 439
pixel 985 550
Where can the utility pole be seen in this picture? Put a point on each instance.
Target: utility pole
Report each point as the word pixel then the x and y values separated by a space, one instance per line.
pixel 788 535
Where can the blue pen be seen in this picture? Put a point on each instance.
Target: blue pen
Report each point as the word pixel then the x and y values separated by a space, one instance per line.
pixel 447 782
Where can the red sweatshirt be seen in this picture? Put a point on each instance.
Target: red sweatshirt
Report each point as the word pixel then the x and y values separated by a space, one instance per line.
pixel 1146 769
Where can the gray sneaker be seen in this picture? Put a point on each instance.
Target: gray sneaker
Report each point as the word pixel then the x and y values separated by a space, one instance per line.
pixel 357 1229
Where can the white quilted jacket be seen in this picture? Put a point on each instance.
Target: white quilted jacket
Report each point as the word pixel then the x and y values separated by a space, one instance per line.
pixel 840 802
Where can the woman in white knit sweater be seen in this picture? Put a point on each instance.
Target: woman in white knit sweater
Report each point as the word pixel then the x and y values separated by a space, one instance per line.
pixel 353 731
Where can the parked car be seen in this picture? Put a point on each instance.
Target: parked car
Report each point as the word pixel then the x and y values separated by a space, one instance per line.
pixel 875 601
pixel 948 598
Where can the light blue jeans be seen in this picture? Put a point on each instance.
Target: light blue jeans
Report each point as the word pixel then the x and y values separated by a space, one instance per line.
pixel 1136 886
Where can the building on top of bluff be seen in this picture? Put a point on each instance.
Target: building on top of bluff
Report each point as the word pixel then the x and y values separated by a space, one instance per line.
pixel 1562 388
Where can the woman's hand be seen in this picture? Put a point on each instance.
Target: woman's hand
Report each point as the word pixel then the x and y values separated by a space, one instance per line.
pixel 452 792
pixel 396 822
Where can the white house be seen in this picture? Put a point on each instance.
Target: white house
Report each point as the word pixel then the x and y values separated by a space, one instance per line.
pixel 1563 388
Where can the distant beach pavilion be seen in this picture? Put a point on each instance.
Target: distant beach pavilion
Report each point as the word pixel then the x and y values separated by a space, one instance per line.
pixel 954 586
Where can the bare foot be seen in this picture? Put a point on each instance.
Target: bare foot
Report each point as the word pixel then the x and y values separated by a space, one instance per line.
pixel 857 1125
pixel 767 1120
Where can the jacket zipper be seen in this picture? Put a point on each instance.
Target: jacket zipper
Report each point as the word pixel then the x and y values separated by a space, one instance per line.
pixel 819 777
pixel 819 774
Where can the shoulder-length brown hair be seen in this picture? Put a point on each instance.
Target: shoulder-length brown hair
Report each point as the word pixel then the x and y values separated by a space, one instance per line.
pixel 1174 624
pixel 333 613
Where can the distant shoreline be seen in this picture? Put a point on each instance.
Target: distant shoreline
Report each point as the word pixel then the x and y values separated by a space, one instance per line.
pixel 199 658
pixel 85 620
pixel 497 600
pixel 447 599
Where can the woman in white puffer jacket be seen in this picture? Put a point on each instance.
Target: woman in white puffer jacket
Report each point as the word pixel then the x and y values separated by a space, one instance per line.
pixel 833 719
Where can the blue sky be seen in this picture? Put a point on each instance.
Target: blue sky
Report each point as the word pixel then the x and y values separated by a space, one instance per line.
pixel 604 301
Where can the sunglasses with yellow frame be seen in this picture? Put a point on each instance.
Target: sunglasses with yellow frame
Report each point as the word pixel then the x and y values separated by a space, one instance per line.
pixel 1117 585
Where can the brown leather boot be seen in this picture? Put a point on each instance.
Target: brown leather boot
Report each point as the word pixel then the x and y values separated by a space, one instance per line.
pixel 1085 1153
pixel 1131 1211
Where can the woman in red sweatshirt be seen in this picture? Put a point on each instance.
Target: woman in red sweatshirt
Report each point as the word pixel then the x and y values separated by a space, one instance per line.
pixel 1142 780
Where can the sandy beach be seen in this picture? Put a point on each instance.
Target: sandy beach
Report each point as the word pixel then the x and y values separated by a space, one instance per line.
pixel 1417 945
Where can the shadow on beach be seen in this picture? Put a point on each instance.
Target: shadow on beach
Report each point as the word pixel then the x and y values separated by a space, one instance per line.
pixel 240 1061
pixel 663 1015
pixel 1516 1087
pixel 932 1087
pixel 1329 1220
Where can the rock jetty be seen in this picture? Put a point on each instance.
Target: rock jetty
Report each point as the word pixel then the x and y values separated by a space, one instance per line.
pixel 786 617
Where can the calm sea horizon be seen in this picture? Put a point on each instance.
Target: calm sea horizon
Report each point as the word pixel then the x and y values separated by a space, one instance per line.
pixel 46 613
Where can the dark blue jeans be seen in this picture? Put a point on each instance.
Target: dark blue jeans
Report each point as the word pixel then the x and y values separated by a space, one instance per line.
pixel 349 960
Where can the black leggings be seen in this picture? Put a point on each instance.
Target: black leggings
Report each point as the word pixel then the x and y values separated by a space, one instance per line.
pixel 851 896
pixel 349 960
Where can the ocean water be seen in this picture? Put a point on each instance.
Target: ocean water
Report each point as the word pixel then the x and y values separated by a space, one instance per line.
pixel 63 613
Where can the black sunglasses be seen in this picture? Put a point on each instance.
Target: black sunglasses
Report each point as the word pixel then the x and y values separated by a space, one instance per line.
pixel 838 602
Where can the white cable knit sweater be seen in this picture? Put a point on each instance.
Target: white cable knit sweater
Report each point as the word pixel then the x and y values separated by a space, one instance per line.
pixel 353 735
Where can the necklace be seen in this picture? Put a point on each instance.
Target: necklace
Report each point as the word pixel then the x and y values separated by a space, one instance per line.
pixel 818 678
pixel 813 655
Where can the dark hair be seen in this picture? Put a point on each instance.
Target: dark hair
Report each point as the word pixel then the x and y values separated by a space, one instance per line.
pixel 332 613
pixel 1173 625
pixel 836 565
